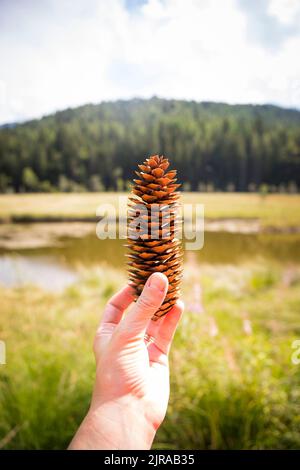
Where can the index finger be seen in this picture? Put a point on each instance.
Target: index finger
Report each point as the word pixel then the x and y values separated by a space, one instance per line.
pixel 167 328
pixel 114 309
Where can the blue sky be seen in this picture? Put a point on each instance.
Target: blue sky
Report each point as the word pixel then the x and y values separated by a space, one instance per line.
pixel 61 53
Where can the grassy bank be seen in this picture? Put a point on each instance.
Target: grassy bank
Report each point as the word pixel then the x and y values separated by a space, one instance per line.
pixel 276 210
pixel 233 384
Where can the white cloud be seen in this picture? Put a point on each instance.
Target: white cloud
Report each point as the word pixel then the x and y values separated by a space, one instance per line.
pixel 69 53
pixel 284 10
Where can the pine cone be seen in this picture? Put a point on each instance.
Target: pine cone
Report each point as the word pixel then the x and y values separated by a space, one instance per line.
pixel 153 223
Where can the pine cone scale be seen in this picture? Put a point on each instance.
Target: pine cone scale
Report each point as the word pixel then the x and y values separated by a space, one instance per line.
pixel 153 223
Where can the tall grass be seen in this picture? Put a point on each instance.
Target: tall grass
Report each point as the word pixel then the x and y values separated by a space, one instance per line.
pixel 233 384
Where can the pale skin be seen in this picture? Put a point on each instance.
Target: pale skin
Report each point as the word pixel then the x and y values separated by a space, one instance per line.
pixel 131 391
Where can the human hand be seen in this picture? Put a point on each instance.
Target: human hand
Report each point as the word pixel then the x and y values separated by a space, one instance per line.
pixel 131 390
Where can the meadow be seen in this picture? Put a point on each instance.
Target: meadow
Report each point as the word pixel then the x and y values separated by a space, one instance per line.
pixel 233 382
pixel 272 210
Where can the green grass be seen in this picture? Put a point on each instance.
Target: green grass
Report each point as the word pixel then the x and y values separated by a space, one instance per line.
pixel 275 210
pixel 233 385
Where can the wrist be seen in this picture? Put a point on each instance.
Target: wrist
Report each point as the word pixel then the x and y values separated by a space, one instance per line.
pixel 119 424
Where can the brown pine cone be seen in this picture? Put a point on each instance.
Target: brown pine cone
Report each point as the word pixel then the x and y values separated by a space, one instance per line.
pixel 153 223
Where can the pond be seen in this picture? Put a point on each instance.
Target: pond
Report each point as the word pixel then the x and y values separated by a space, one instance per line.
pixel 56 265
pixel 44 271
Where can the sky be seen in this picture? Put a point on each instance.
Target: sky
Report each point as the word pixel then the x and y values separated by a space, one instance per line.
pixel 56 54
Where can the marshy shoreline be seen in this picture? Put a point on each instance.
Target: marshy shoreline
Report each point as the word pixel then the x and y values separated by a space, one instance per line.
pixel 34 232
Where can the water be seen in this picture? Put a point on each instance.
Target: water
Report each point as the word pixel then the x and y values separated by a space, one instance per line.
pixel 43 271
pixel 55 267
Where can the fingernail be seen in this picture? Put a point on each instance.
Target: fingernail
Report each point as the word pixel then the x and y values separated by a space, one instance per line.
pixel 158 280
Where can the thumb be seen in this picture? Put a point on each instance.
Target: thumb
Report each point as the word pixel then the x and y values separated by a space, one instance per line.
pixel 147 304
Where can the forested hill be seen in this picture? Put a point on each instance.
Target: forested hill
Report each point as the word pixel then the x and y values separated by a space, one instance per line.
pixel 95 147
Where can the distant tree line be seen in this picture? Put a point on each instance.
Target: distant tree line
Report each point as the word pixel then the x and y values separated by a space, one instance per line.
pixel 214 146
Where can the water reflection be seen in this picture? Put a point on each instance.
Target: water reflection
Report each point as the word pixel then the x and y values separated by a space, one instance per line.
pixel 43 271
pixel 55 267
pixel 219 248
